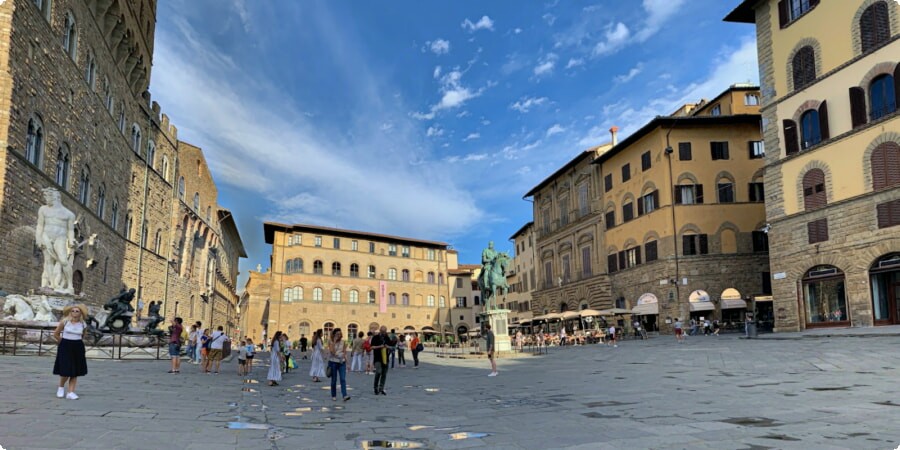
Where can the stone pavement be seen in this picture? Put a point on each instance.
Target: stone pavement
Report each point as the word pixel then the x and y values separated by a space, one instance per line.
pixel 710 392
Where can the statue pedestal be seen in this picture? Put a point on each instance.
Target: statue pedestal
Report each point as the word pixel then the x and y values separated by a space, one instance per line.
pixel 499 320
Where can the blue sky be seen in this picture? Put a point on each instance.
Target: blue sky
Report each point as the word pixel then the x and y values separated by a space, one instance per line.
pixel 425 119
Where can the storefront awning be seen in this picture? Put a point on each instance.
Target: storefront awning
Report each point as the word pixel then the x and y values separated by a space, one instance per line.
pixel 729 303
pixel 646 309
pixel 702 306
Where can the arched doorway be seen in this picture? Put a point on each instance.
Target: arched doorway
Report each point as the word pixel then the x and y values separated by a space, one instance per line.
pixel 647 310
pixel 461 332
pixel 77 282
pixel 825 297
pixel 563 307
pixel 884 276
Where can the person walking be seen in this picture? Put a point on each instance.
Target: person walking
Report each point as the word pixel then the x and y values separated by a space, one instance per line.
pixel 70 360
pixel 192 343
pixel 380 355
pixel 679 331
pixel 286 349
pixel 520 341
pixel 489 346
pixel 370 359
pixel 716 327
pixel 251 352
pixel 317 366
pixel 357 355
pixel 204 351
pixel 414 346
pixel 392 346
pixel 216 346
pixel 304 342
pixel 401 350
pixel 242 359
pixel 175 344
pixel 276 359
pixel 337 361
pixel 693 331
pixel 612 337
pixel 198 344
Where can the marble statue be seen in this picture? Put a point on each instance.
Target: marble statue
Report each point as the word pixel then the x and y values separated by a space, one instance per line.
pixel 43 312
pixel 55 236
pixel 492 279
pixel 18 304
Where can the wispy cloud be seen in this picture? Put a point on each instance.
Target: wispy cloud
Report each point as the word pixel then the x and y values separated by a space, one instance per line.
pixel 545 65
pixel 439 46
pixel 615 37
pixel 434 131
pixel 549 18
pixel 467 158
pixel 453 94
pixel 525 104
pixel 657 12
pixel 555 129
pixel 624 78
pixel 485 23
pixel 574 62
pixel 472 136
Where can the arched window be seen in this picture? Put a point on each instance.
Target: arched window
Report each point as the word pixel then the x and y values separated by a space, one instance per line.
pixel 63 163
pixel 144 234
pixel 157 244
pixel 304 328
pixel 151 154
pixel 404 299
pixel 44 6
pixel 34 141
pixel 165 167
pixel 327 329
pixel 196 201
pixel 804 67
pixel 318 267
pixel 136 138
pixel 885 166
pixel 294 266
pixel 90 71
pixel 430 300
pixel 405 274
pixel 371 297
pixel 70 39
pixel 442 302
pixel 354 270
pixel 101 201
pixel 84 186
pixel 392 299
pixel 354 296
pixel 336 295
pixel 371 273
pixel 810 133
pixel 297 293
pixel 181 188
pixel 725 187
pixel 336 269
pixel 430 277
pixel 881 97
pixel 352 330
pixel 286 297
pixel 814 195
pixel 114 215
pixel 317 294
pixel 392 274
pixel 874 26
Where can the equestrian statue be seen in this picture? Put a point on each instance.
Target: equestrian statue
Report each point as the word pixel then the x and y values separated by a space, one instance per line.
pixel 492 279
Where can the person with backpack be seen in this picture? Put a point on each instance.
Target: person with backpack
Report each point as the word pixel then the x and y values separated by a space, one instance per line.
pixel 392 346
pixel 204 350
pixel 416 346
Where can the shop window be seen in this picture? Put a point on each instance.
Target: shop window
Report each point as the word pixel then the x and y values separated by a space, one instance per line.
pixel 825 296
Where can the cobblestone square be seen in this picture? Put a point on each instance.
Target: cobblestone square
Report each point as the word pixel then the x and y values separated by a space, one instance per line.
pixel 710 392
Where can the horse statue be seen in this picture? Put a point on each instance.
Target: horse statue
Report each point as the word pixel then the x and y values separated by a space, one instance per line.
pixel 43 312
pixel 492 280
pixel 21 307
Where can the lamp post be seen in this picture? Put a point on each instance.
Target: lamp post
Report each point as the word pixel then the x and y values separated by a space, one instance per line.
pixel 176 308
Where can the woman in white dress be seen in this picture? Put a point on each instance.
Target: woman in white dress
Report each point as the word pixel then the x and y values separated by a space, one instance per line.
pixel 317 368
pixel 276 359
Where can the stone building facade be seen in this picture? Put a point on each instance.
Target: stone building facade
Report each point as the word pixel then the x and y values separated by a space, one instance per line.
pixel 521 276
pixel 323 278
pixel 77 116
pixel 830 74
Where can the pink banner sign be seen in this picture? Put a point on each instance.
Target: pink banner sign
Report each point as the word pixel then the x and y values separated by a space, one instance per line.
pixel 382 299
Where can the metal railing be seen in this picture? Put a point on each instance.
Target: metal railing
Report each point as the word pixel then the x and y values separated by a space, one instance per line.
pixel 18 341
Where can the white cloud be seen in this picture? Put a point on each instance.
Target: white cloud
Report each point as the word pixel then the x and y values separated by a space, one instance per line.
pixel 555 129
pixel 615 37
pixel 453 95
pixel 468 158
pixel 437 72
pixel 517 30
pixel 462 114
pixel 624 78
pixel 574 62
pixel 524 104
pixel 485 23
pixel 549 18
pixel 387 126
pixel 485 122
pixel 434 131
pixel 439 46
pixel 472 136
pixel 241 7
pixel 545 65
pixel 657 12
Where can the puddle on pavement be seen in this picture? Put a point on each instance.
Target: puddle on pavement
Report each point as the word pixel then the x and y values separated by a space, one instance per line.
pixel 418 427
pixel 605 403
pixel 838 388
pixel 246 389
pixel 432 390
pixel 367 445
pixel 596 415
pixel 752 421
pixel 247 426
pixel 251 382
pixel 779 437
pixel 467 435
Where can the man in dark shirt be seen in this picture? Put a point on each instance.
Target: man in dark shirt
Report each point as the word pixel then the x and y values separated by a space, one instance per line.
pixel 175 345
pixel 489 346
pixel 303 343
pixel 379 345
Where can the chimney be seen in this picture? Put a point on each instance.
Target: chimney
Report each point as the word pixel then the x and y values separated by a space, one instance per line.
pixel 614 131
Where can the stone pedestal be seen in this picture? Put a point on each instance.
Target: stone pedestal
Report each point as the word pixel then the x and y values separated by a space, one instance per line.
pixel 499 320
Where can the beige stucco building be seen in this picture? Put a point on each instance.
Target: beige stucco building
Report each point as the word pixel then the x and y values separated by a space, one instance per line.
pixel 830 74
pixel 520 276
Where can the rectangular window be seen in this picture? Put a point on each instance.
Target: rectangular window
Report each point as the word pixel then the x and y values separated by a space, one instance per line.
pixel 716 110
pixel 684 151
pixel 392 249
pixel 564 211
pixel 354 245
pixel 610 219
pixel 607 182
pixel 460 302
pixel 586 269
pixel 337 243
pixel 627 212
pixel 318 241
pixel 689 194
pixel 583 202
pixel 611 263
pixel 645 161
pixel 430 254
pixel 371 272
pixel 632 257
pixel 459 283
pixel 566 275
pixel 626 172
pixel 405 251
pixel 719 150
pixel 694 244
pixel 888 214
pixel 651 251
pixel 648 203
pixel 548 274
pixel 751 99
pixel 371 247
pixel 817 230
pixel 726 192
pixel 757 192
pixel 757 149
pixel 546 215
pixel 760 241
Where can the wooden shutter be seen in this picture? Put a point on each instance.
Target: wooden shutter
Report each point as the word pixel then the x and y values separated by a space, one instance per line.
pixel 640 202
pixel 698 193
pixel 622 260
pixel 610 219
pixel 650 250
pixel 858 115
pixel 817 231
pixel 607 182
pixel 750 149
pixel 687 244
pixel 784 15
pixel 791 138
pixel 724 151
pixel 677 194
pixel 823 120
pixel 704 244
pixel 752 189
pixel 888 214
pixel 874 26
pixel 684 151
pixel 611 263
pixel 813 180
pixel 656 199
pixel 637 255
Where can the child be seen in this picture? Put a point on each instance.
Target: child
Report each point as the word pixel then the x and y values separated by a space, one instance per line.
pixel 242 359
pixel 251 352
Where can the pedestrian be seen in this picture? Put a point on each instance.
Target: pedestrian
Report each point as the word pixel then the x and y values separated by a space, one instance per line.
pixel 416 346
pixel 380 344
pixel 401 350
pixel 192 343
pixel 716 327
pixel 276 359
pixel 489 346
pixel 251 352
pixel 337 361
pixel 198 345
pixel 392 346
pixel 140 308
pixel 693 327
pixel 707 327
pixel 70 360
pixel 520 341
pixel 204 351
pixel 679 331
pixel 370 361
pixel 748 319
pixel 317 365
pixel 286 349
pixel 216 345
pixel 175 344
pixel 358 355
pixel 562 336
pixel 304 342
pixel 242 359
pixel 612 337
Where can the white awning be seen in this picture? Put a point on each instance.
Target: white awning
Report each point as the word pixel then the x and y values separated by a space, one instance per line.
pixel 646 309
pixel 702 306
pixel 729 303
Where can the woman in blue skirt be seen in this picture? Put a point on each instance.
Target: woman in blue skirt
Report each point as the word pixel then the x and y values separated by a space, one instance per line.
pixel 70 361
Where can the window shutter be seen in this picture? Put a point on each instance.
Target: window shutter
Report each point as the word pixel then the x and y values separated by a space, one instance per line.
pixel 750 149
pixel 783 14
pixel 812 199
pixel 724 150
pixel 656 199
pixel 650 250
pixel 752 191
pixel 640 202
pixel 897 86
pixel 698 192
pixel 858 106
pixel 622 260
pixel 677 194
pixel 611 263
pixel 637 255
pixel 823 120
pixel 687 242
pixel 704 244
pixel 888 214
pixel 791 139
